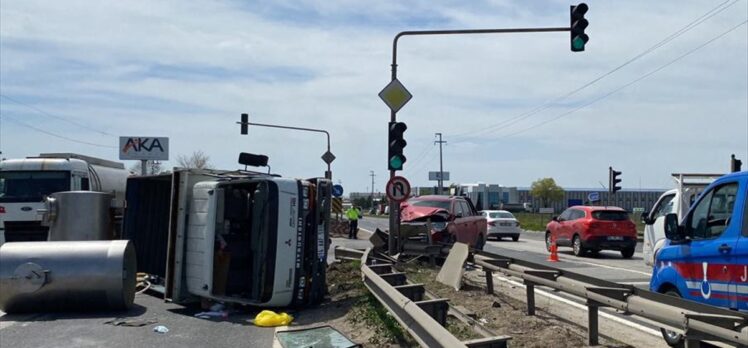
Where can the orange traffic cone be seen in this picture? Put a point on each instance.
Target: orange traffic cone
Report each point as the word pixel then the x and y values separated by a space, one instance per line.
pixel 553 257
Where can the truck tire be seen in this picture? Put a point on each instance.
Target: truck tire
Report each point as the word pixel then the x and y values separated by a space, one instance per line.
pixel 672 338
pixel 627 253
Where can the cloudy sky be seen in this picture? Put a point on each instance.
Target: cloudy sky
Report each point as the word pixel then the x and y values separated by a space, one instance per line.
pixel 673 96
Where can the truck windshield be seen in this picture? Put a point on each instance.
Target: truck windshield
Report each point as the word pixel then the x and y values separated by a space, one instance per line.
pixel 31 186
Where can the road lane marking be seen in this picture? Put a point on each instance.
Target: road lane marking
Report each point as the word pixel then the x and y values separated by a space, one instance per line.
pixel 570 260
pixel 612 317
pixel 606 266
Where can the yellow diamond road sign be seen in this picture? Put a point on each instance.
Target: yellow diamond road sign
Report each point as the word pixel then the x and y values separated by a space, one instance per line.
pixel 395 95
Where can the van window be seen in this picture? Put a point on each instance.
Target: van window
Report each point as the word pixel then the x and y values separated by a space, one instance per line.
pixel 713 213
pixel 84 184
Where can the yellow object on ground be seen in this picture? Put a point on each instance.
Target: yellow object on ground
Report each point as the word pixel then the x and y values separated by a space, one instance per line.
pixel 268 318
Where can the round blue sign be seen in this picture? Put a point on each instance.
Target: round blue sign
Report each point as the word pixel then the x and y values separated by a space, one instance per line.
pixel 337 190
pixel 593 196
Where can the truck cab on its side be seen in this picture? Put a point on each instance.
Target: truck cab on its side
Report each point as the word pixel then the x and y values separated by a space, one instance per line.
pixel 232 236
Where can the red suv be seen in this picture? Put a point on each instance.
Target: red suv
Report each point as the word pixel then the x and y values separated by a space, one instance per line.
pixel 453 218
pixel 592 229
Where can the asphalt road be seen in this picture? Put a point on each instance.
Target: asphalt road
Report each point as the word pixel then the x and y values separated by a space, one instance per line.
pixel 91 330
pixel 47 330
pixel 608 265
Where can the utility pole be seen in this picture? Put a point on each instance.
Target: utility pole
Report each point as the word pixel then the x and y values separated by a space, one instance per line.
pixel 371 173
pixel 441 164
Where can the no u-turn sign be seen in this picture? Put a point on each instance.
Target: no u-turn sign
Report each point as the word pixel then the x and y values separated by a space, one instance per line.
pixel 398 189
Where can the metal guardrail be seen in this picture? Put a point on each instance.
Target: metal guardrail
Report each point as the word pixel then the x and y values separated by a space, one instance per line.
pixel 424 319
pixel 695 320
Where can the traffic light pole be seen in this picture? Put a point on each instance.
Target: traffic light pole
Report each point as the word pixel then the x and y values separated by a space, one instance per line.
pixel 394 242
pixel 328 174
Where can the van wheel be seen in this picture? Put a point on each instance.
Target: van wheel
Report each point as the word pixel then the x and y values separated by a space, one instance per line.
pixel 627 253
pixel 576 245
pixel 673 338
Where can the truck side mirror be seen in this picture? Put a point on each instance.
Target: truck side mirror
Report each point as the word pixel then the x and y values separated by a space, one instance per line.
pixel 672 230
pixel 645 218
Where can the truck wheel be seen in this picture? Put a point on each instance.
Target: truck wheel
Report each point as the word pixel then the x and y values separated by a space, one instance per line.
pixel 627 253
pixel 673 338
pixel 577 246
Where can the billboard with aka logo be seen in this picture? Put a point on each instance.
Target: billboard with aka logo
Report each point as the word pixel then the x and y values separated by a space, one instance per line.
pixel 144 148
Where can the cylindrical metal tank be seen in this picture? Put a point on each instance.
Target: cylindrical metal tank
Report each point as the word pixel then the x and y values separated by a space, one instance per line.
pixel 74 275
pixel 78 215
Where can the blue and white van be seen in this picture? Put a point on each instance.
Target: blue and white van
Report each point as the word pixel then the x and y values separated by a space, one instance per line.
pixel 706 256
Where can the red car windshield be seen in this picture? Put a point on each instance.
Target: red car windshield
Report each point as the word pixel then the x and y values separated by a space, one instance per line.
pixel 431 204
pixel 610 215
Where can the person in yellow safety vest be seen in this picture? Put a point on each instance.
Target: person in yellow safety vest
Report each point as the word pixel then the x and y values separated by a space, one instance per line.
pixel 353 214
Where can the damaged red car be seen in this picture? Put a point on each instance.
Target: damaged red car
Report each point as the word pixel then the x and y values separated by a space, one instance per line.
pixel 453 219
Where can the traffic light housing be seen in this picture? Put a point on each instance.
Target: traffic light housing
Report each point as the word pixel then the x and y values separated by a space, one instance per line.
pixel 244 123
pixel 578 24
pixel 613 180
pixel 395 157
pixel 735 164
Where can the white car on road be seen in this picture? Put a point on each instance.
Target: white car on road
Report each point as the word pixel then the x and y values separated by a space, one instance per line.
pixel 502 223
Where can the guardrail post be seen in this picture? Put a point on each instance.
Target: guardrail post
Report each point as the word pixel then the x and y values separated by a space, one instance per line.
pixel 530 289
pixel 489 281
pixel 592 327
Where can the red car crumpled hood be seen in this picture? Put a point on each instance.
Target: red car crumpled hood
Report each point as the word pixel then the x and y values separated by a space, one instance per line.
pixel 411 213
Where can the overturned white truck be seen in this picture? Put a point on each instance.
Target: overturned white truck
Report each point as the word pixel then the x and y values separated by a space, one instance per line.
pixel 231 236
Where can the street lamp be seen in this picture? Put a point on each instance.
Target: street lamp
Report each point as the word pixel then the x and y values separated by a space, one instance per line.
pixel 327 157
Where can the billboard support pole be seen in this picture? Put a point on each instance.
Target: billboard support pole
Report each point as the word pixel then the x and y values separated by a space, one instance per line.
pixel 143 167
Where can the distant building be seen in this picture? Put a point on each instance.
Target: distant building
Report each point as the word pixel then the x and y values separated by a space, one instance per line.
pixel 627 198
pixel 492 196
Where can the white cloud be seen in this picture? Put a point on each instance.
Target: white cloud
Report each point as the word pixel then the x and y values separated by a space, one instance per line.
pixel 187 69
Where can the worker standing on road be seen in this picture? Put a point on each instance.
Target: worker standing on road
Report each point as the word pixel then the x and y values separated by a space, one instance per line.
pixel 353 214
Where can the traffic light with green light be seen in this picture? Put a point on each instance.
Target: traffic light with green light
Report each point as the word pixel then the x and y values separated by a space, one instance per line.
pixel 613 180
pixel 578 24
pixel 395 157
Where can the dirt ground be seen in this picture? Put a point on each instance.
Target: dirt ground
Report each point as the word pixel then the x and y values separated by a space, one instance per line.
pixel 352 311
pixel 504 315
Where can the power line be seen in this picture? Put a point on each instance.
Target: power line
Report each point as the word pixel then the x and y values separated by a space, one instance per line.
pixel 45 113
pixel 419 161
pixel 508 122
pixel 628 84
pixel 418 158
pixel 11 119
